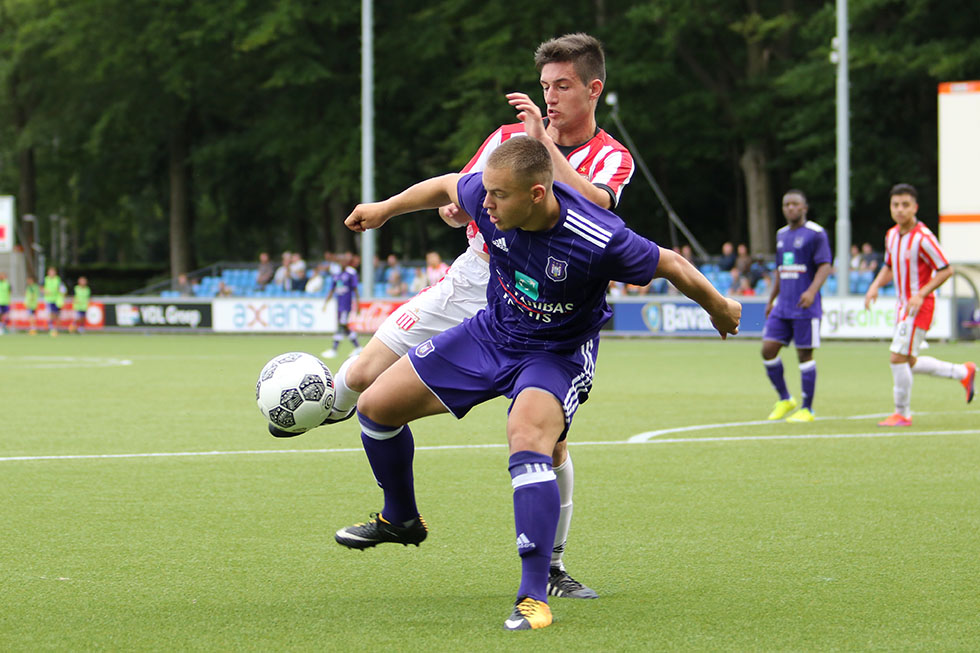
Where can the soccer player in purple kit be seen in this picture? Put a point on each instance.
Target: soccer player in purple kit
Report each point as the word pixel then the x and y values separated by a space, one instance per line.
pixel 345 289
pixel 793 312
pixel 552 256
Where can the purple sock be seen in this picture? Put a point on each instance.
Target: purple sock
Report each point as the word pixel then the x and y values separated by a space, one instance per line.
pixel 536 507
pixel 774 369
pixel 390 450
pixel 808 377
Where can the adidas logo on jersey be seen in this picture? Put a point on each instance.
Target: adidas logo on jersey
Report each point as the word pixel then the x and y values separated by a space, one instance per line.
pixel 500 243
pixel 524 544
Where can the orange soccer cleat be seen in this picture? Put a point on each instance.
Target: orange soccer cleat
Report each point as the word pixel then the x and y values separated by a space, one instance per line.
pixel 896 420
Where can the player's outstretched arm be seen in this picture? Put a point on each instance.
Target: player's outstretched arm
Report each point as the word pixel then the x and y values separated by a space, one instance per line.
pixel 429 194
pixel 725 313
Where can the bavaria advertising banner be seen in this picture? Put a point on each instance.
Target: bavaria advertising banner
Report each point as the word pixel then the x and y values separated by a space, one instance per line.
pixel 678 318
pixel 843 317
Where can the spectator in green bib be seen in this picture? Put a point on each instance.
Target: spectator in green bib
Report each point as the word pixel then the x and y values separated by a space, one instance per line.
pixel 4 301
pixel 79 304
pixel 32 295
pixel 53 298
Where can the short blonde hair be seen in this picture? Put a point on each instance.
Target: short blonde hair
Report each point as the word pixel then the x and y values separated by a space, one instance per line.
pixel 528 158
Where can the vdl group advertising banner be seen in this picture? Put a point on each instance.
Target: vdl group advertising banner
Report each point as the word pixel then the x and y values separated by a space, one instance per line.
pixel 843 317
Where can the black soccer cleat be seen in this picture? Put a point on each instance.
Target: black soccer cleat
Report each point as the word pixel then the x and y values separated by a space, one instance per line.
pixel 562 585
pixel 279 433
pixel 378 530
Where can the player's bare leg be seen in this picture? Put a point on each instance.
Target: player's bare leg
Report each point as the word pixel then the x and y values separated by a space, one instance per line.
pixel 385 409
pixel 356 375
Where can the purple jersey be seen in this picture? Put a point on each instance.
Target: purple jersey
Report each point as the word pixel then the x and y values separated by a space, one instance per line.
pixel 799 252
pixel 344 287
pixel 547 289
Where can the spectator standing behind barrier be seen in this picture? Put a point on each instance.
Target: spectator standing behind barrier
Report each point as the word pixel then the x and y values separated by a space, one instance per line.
pixel 79 305
pixel 266 271
pixel 54 298
pixel 855 263
pixel 727 260
pixel 4 301
pixel 870 259
pixel 32 295
pixel 297 272
pixel 435 269
pixel 396 286
pixel 184 287
pixel 281 278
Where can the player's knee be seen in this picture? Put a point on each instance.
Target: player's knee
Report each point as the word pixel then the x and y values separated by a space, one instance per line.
pixel 359 376
pixel 371 405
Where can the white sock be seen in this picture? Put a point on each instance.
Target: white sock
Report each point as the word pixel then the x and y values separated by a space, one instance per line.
pixel 565 474
pixel 902 374
pixel 936 367
pixel 344 397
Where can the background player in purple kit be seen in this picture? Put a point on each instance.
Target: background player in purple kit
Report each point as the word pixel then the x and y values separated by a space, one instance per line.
pixel 793 312
pixel 552 255
pixel 344 288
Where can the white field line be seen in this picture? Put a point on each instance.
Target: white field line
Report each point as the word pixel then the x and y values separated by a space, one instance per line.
pixel 649 435
pixel 889 433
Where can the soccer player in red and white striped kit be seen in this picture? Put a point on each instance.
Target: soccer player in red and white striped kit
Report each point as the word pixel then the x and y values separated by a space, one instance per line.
pixel 915 260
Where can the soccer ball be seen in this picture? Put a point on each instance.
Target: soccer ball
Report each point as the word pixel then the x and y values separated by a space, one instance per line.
pixel 295 393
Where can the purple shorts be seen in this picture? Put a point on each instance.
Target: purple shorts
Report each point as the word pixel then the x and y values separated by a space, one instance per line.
pixel 804 332
pixel 463 367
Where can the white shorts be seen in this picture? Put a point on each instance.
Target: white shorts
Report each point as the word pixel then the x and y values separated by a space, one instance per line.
pixel 459 295
pixel 908 338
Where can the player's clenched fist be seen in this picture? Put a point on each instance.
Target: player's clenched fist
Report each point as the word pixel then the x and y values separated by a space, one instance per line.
pixel 726 321
pixel 367 216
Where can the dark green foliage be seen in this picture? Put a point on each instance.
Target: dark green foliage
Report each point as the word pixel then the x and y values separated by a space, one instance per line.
pixel 267 97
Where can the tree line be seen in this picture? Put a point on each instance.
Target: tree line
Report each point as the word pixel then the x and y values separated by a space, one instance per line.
pixel 182 133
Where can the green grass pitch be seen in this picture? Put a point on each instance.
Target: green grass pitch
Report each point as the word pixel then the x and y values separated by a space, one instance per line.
pixel 721 533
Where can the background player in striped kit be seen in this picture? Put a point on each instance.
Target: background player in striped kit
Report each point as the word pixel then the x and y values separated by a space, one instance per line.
pixel 572 75
pixel 793 312
pixel 916 262
pixel 552 256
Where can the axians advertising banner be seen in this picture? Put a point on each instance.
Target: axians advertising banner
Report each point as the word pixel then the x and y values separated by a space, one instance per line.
pixel 274 315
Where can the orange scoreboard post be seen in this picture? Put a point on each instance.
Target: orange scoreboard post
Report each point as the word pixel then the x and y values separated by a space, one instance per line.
pixel 959 170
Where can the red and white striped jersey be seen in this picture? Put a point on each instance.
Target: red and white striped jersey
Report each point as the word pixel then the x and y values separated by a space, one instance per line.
pixel 602 160
pixel 913 258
